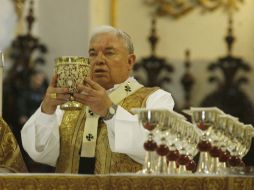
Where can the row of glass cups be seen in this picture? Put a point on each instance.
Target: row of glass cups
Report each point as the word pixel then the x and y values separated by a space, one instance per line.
pixel 175 145
pixel 220 138
pixel 224 141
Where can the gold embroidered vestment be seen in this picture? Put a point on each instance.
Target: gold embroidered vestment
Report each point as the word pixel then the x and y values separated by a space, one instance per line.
pixel 10 155
pixel 71 132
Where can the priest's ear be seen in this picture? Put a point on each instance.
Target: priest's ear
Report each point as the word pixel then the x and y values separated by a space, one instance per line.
pixel 131 60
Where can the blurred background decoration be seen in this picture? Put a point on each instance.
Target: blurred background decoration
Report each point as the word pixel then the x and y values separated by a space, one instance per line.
pixel 179 8
pixel 26 53
pixel 145 69
pixel 19 7
pixel 229 84
pixel 8 20
pixel 25 83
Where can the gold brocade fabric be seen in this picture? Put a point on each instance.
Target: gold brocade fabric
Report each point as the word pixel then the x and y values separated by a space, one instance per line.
pixel 111 162
pixel 125 182
pixel 10 155
pixel 71 131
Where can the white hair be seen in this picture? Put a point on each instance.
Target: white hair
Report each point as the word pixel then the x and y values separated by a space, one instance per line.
pixel 119 33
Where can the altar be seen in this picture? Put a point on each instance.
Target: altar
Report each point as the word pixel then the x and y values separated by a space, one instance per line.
pixel 124 182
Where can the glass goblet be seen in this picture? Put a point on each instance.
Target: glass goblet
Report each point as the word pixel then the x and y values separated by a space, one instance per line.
pixel 246 140
pixel 192 139
pixel 173 139
pixel 240 144
pixel 234 129
pixel 222 142
pixel 204 120
pixel 150 119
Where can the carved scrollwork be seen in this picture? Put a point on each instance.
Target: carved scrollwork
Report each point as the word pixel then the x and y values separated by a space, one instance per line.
pixel 178 8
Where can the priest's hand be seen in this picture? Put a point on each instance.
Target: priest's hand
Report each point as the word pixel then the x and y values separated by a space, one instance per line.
pixel 95 96
pixel 54 96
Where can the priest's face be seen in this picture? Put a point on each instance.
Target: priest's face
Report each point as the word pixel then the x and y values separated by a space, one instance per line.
pixel 110 60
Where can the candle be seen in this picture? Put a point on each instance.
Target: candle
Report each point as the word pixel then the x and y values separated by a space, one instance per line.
pixel 1 81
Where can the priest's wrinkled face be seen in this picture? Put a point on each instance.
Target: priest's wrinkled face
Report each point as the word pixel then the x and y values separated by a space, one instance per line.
pixel 110 59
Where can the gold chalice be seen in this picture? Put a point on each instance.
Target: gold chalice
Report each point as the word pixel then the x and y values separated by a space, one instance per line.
pixel 71 71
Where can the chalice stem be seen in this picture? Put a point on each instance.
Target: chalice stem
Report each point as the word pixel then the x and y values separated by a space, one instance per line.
pixel 148 167
pixel 214 165
pixel 203 163
pixel 172 167
pixel 161 167
pixel 182 169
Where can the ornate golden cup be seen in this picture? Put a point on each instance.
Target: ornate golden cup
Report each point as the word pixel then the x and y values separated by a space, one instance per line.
pixel 71 71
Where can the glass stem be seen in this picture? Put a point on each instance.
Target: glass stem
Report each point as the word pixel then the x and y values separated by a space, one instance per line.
pixel 149 164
